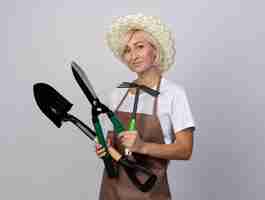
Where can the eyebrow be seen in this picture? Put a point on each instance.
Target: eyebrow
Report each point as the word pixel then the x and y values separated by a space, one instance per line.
pixel 138 42
pixel 126 46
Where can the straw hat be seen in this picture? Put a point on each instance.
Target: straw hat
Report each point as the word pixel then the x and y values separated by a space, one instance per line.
pixel 149 24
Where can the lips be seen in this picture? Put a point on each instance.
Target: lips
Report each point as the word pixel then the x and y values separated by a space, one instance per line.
pixel 137 63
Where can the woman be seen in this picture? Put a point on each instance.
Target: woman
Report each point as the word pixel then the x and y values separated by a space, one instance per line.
pixel 164 124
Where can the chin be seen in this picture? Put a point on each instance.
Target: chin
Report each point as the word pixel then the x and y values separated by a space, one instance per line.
pixel 140 69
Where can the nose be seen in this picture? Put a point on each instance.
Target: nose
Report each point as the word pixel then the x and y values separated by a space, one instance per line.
pixel 134 56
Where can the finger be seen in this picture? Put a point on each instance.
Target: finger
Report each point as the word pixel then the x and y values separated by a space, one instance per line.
pixel 123 140
pixel 102 154
pixel 127 146
pixel 129 138
pixel 124 133
pixel 101 151
pixel 98 147
pixel 133 132
pixel 121 134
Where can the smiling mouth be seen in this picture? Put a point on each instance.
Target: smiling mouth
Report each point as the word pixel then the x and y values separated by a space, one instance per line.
pixel 136 63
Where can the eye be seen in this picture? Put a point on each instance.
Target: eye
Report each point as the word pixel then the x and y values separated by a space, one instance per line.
pixel 140 46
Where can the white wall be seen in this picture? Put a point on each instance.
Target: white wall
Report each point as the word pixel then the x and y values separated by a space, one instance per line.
pixel 220 62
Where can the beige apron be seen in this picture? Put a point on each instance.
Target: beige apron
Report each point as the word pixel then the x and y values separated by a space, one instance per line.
pixel 121 187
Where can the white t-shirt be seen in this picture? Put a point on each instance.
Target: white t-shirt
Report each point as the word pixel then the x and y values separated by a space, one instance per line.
pixel 173 109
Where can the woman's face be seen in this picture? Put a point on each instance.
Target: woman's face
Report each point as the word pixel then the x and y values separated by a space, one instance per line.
pixel 139 54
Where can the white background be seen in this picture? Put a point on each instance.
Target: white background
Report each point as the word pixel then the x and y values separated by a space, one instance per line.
pixel 220 61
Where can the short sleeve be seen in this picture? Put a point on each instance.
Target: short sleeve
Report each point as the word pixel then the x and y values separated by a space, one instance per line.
pixel 181 115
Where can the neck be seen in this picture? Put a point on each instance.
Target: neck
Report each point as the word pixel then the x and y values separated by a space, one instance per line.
pixel 149 78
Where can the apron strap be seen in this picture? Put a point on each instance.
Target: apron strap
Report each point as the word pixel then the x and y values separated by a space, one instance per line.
pixel 122 100
pixel 156 98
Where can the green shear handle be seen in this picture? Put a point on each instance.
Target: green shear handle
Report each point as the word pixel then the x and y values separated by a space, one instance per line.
pixel 108 161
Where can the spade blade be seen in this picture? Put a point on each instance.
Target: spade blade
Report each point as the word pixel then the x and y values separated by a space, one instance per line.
pixel 51 103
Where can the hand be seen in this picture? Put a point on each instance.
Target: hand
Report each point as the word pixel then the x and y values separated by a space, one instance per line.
pixel 100 150
pixel 132 141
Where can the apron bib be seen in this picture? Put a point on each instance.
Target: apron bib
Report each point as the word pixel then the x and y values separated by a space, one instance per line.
pixel 121 187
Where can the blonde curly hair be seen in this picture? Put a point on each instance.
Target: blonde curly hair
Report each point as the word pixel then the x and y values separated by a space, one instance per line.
pixel 158 31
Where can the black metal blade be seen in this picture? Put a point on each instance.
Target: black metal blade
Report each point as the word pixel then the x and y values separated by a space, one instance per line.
pixel 146 89
pixel 56 108
pixel 83 82
pixel 51 103
pixel 127 85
